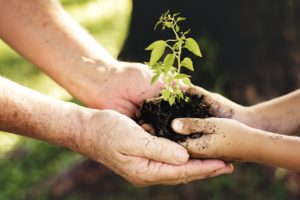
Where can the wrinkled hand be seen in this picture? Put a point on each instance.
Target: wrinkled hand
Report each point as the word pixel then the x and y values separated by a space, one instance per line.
pixel 119 143
pixel 222 138
pixel 124 87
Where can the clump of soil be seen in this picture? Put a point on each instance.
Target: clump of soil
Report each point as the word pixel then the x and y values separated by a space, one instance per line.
pixel 160 114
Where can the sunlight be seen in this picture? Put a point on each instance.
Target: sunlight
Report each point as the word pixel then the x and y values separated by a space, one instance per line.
pixel 7 142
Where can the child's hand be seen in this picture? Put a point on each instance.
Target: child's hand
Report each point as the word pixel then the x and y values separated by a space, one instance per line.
pixel 221 106
pixel 222 138
pixel 229 140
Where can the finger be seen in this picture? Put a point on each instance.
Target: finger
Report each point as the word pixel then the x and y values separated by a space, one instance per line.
pixel 208 96
pixel 149 128
pixel 221 171
pixel 228 169
pixel 151 91
pixel 186 126
pixel 197 90
pixel 125 107
pixel 192 170
pixel 124 112
pixel 163 150
pixel 224 170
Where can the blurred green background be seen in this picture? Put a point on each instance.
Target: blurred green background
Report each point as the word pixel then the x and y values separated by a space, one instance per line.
pixel 251 54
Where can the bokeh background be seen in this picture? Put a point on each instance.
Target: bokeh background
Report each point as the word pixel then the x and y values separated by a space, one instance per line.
pixel 251 54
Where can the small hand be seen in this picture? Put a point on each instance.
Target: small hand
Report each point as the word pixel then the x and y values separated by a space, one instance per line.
pixel 221 107
pixel 222 138
pixel 119 143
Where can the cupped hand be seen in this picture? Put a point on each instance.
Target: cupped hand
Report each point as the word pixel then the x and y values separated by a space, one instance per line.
pixel 124 87
pixel 119 143
pixel 222 138
pixel 221 106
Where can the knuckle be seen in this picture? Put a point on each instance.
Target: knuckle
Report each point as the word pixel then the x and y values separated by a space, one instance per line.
pixel 157 144
pixel 184 177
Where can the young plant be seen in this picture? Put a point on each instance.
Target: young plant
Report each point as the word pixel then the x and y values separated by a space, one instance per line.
pixel 169 65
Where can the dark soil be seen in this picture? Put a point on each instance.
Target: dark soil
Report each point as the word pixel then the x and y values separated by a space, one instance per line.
pixel 160 114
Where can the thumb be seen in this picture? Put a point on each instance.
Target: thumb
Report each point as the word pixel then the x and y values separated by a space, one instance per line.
pixel 187 126
pixel 164 150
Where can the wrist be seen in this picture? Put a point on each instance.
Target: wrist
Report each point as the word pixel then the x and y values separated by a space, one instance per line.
pixel 248 144
pixel 92 136
pixel 88 77
pixel 78 127
pixel 248 116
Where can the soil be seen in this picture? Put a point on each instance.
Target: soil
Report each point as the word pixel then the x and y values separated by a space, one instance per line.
pixel 160 114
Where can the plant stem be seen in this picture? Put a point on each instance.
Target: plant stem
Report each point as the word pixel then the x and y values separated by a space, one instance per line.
pixel 179 50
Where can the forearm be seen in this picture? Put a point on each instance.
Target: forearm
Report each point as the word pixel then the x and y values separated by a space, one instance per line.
pixel 28 113
pixel 44 33
pixel 280 115
pixel 272 149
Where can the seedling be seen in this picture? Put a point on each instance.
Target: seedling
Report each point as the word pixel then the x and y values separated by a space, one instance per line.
pixel 166 58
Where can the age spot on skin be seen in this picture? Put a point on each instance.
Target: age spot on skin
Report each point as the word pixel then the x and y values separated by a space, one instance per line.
pixel 15 115
pixel 231 113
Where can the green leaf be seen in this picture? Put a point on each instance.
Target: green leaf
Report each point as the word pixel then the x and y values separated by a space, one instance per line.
pixel 193 47
pixel 187 63
pixel 181 96
pixel 166 94
pixel 176 14
pixel 187 81
pixel 186 32
pixel 158 49
pixel 187 99
pixel 155 78
pixel 168 24
pixel 158 23
pixel 177 90
pixel 168 79
pixel 156 44
pixel 155 66
pixel 173 70
pixel 181 19
pixel 169 61
pixel 181 76
pixel 177 29
pixel 172 100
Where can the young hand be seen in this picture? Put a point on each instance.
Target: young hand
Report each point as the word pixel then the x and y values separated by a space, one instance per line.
pixel 231 140
pixel 221 106
pixel 222 138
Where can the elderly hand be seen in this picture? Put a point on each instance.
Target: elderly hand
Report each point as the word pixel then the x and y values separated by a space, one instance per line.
pixel 119 143
pixel 124 87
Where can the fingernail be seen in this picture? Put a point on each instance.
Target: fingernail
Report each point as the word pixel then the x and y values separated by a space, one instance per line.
pixel 181 156
pixel 225 170
pixel 220 165
pixel 177 125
